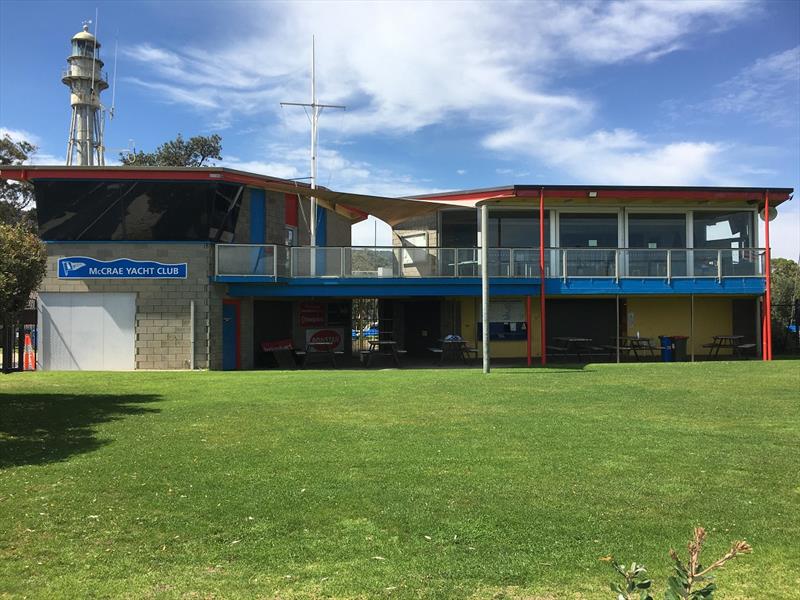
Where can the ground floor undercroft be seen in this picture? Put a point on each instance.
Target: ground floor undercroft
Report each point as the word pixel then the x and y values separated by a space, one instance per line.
pixel 185 324
pixel 257 331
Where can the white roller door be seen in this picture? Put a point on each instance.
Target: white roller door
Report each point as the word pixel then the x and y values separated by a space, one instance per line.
pixel 86 331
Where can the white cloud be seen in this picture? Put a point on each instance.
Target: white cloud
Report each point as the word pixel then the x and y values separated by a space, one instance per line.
pixel 335 172
pixel 20 135
pixel 615 157
pixel 784 232
pixel 617 31
pixel 402 67
pixel 768 90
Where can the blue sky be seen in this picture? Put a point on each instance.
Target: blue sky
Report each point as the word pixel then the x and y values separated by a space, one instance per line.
pixel 442 95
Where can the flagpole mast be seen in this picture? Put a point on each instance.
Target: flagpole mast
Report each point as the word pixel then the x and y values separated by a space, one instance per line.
pixel 314 119
pixel 316 110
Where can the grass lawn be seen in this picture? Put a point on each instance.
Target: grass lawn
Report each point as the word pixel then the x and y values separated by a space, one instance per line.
pixel 401 484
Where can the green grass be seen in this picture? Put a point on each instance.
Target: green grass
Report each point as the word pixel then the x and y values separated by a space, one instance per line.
pixel 402 484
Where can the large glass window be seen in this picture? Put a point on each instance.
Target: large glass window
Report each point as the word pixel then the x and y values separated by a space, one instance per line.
pixel 716 229
pixel 720 240
pixel 655 230
pixel 655 233
pixel 134 210
pixel 588 230
pixel 459 229
pixel 594 235
pixel 516 229
pixel 507 229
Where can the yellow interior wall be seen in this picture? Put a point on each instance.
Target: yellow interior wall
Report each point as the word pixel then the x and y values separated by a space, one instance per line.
pixel 652 317
pixel 500 349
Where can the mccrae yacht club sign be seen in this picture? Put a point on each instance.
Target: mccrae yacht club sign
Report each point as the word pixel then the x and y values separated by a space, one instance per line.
pixel 84 267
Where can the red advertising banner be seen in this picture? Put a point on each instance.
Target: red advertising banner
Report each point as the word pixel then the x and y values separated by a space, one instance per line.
pixel 312 314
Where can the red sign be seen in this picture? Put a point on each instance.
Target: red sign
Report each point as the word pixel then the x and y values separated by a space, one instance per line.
pixel 312 314
pixel 325 339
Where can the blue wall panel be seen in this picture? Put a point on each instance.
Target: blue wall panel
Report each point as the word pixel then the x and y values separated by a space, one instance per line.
pixel 258 217
pixel 460 287
pixel 322 226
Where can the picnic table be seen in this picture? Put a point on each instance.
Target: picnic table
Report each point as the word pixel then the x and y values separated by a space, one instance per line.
pixel 632 345
pixel 454 348
pixel 722 342
pixel 566 346
pixel 378 347
pixel 316 352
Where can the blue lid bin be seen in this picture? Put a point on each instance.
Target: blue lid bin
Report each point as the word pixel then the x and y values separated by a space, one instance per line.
pixel 673 348
pixel 667 349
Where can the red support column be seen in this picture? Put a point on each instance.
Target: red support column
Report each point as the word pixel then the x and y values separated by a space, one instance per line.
pixel 541 276
pixel 528 326
pixel 768 267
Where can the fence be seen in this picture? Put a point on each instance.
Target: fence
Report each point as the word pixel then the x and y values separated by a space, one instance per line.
pixel 267 260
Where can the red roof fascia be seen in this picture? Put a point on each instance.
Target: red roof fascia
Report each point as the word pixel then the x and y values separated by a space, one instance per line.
pixel 13 173
pixel 24 174
pixel 675 194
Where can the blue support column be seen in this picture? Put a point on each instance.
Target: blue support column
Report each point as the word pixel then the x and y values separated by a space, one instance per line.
pixel 258 217
pixel 258 229
pixel 322 239
pixel 322 226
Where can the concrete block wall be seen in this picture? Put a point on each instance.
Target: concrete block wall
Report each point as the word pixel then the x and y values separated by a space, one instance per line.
pixel 276 218
pixel 216 294
pixel 241 234
pixel 162 325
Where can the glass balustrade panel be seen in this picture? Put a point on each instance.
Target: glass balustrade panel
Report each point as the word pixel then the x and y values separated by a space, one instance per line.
pixel 246 261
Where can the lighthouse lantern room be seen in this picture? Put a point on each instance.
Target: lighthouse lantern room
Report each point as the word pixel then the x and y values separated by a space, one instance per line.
pixel 86 80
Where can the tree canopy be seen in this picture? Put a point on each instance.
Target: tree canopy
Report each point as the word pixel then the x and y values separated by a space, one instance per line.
pixel 16 197
pixel 197 151
pixel 785 288
pixel 22 265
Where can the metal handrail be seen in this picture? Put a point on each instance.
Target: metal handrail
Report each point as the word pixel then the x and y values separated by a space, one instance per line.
pixel 450 262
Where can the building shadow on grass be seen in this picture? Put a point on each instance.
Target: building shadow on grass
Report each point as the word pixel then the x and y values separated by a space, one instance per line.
pixel 38 429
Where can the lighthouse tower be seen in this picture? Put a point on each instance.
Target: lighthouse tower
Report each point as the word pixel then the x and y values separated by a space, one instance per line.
pixel 86 80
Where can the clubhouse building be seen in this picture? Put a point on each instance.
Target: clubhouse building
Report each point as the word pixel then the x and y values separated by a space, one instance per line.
pixel 174 268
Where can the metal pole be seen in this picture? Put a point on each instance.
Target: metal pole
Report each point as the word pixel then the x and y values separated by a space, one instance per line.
pixel 768 267
pixel 616 338
pixel 528 326
pixel 543 328
pixel 191 335
pixel 691 327
pixel 314 115
pixel 485 284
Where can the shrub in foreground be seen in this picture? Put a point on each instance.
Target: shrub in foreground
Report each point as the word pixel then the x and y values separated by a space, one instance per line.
pixel 689 581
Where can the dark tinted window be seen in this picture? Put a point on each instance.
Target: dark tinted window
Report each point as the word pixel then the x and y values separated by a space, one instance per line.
pixel 134 210
pixel 507 229
pixel 459 229
pixel 717 229
pixel 654 230
pixel 516 229
pixel 582 230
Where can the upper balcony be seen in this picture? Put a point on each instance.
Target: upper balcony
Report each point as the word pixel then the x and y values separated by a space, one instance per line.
pixel 602 270
pixel 270 261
